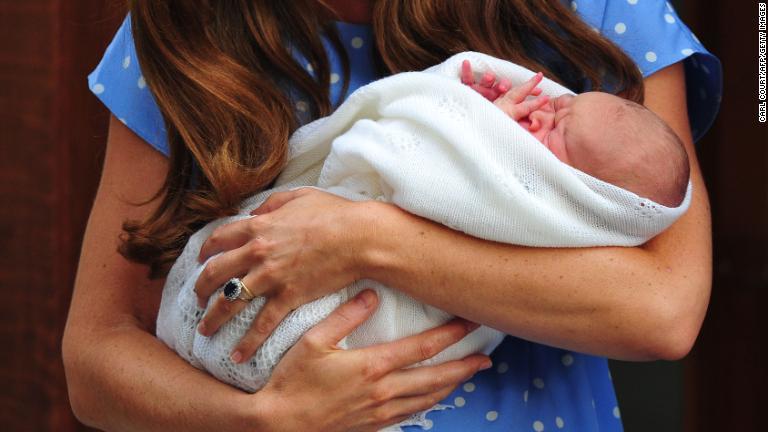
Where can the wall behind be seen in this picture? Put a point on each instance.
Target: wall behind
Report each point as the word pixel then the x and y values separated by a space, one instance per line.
pixel 52 139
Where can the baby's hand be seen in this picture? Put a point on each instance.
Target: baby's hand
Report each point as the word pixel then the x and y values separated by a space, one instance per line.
pixel 514 103
pixel 488 86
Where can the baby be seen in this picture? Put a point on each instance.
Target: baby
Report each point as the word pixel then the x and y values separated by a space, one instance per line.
pixel 396 138
pixel 605 136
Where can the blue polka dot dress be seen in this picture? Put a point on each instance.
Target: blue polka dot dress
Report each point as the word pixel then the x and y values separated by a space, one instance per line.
pixel 531 387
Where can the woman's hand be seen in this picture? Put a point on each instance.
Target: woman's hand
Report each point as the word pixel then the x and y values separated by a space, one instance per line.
pixel 318 386
pixel 300 246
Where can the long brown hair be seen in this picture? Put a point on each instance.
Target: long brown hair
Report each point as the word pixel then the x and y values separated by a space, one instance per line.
pixel 217 69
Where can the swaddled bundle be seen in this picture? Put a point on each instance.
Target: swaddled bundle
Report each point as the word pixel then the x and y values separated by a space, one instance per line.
pixel 437 149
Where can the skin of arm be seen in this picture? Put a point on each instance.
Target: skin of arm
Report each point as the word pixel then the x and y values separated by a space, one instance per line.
pixel 640 303
pixel 121 378
pixel 109 332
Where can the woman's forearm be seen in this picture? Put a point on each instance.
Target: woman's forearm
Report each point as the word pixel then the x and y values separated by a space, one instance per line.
pixel 632 303
pixel 124 379
pixel 119 376
pixel 618 302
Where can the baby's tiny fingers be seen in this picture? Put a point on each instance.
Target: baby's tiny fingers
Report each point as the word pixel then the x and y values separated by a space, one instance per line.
pixel 503 86
pixel 488 79
pixel 525 108
pixel 485 92
pixel 466 73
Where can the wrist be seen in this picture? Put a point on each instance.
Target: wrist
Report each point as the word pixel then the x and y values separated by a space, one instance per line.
pixel 254 413
pixel 374 251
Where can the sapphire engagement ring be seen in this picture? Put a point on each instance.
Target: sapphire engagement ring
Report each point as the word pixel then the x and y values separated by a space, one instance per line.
pixel 235 289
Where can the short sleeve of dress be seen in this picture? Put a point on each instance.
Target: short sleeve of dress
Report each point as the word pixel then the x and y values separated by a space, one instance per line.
pixel 118 82
pixel 651 33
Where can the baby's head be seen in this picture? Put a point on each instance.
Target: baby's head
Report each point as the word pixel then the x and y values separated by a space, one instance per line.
pixel 617 141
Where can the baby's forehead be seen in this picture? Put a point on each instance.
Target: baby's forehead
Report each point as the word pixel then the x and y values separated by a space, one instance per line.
pixel 602 102
pixel 603 110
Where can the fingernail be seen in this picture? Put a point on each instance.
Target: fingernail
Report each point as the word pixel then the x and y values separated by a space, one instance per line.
pixel 365 299
pixel 202 329
pixel 486 365
pixel 236 357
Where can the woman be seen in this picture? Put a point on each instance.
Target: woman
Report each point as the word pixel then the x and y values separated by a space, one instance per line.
pixel 635 303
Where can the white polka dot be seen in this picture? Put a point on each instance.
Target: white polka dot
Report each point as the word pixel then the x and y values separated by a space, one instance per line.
pixel 491 415
pixel 98 89
pixel 620 28
pixel 574 6
pixel 650 56
pixel 687 51
pixel 669 18
pixel 538 383
pixel 428 424
pixel 459 402
pixel 567 360
pixel 334 78
pixel 559 423
pixel 632 2
pixel 356 42
pixel 123 121
pixel 525 396
pixel 469 387
pixel 616 412
pixel 142 82
pixel 538 426
pixel 595 29
pixel 503 367
pixel 705 69
pixel 309 67
pixel 302 106
pixel 126 62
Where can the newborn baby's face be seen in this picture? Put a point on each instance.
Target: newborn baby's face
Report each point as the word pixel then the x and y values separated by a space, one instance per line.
pixel 576 129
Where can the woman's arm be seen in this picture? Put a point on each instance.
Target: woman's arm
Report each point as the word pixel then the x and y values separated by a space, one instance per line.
pixel 637 303
pixel 121 378
pixel 629 303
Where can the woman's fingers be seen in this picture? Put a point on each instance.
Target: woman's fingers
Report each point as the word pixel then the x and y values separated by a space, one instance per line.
pixel 397 410
pixel 341 322
pixel 221 269
pixel 278 199
pixel 221 311
pixel 428 379
pixel 425 345
pixel 269 317
pixel 227 237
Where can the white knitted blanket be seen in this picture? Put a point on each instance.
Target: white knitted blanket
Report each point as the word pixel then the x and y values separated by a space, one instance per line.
pixel 436 148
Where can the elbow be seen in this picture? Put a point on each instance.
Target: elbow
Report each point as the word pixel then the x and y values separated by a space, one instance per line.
pixel 673 344
pixel 672 332
pixel 74 356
